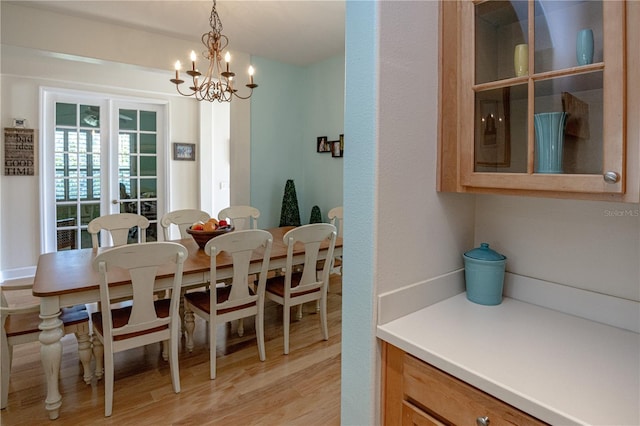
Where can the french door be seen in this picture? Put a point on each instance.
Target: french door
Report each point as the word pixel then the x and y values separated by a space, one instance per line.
pixel 100 156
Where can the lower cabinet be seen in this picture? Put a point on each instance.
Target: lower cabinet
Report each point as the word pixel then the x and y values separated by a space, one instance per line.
pixel 416 393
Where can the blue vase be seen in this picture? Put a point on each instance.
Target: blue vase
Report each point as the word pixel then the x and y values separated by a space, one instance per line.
pixel 584 47
pixel 549 127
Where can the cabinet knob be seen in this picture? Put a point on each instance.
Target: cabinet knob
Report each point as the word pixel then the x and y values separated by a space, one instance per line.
pixel 611 177
pixel 483 421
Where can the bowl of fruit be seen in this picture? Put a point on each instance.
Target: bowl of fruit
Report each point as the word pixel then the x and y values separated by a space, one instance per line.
pixel 202 232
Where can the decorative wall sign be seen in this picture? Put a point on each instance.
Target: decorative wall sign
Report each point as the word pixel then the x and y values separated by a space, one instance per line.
pixel 184 151
pixel 19 152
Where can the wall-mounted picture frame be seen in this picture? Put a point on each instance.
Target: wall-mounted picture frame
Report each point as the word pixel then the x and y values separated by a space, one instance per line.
pixel 184 151
pixel 323 144
pixel 336 149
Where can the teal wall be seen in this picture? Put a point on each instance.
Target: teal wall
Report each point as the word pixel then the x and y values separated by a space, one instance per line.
pixel 290 109
pixel 358 395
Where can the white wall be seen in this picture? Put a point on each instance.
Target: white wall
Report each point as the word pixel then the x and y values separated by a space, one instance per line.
pixel 584 244
pixel 48 52
pixel 417 233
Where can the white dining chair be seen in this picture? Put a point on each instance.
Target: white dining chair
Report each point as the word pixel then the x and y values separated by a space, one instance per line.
pixel 20 324
pixel 183 219
pixel 229 302
pixel 336 218
pixel 241 217
pixel 296 287
pixel 118 226
pixel 144 321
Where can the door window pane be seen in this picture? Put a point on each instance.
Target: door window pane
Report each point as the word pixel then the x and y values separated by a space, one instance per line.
pixel 148 121
pixel 128 119
pixel 148 143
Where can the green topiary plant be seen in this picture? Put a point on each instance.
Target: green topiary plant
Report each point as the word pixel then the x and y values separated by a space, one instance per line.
pixel 316 216
pixel 290 213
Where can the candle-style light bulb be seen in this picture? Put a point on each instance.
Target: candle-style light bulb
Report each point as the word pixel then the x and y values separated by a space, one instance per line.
pixel 227 59
pixel 193 60
pixel 251 72
pixel 177 67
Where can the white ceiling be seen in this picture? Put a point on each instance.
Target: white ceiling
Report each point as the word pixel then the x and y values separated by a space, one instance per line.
pixel 298 32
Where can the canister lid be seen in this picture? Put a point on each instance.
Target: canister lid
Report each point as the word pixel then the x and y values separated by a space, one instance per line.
pixel 484 253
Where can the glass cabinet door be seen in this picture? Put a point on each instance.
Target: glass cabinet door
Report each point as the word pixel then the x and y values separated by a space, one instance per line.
pixel 542 84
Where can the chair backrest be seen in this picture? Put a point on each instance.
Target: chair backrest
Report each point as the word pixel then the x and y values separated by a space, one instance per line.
pixel 118 226
pixel 312 236
pixel 241 217
pixel 336 218
pixel 143 262
pixel 183 219
pixel 242 246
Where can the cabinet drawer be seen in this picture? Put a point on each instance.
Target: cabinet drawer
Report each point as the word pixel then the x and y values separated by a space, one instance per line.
pixel 452 401
pixel 413 416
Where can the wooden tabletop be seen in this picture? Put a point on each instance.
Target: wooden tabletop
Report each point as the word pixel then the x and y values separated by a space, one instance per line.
pixel 72 271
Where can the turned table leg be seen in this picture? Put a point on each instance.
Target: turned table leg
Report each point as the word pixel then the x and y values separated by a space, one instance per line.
pixel 51 352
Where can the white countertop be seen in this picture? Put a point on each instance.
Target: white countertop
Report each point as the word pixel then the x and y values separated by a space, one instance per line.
pixel 557 367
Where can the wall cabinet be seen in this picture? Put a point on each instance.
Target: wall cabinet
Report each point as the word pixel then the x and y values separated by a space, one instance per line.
pixel 540 98
pixel 416 393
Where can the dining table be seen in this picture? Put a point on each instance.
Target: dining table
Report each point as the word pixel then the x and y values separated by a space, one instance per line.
pixel 67 278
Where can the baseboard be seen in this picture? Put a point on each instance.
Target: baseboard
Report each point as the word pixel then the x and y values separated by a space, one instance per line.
pixel 17 273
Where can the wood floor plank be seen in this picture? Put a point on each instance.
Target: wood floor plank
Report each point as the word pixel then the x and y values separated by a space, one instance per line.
pixel 302 388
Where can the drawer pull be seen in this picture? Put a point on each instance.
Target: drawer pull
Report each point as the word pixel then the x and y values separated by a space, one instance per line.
pixel 483 421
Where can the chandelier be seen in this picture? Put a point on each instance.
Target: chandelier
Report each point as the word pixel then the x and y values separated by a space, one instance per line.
pixel 217 84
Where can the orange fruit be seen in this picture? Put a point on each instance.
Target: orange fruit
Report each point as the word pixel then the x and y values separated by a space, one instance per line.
pixel 209 226
pixel 214 220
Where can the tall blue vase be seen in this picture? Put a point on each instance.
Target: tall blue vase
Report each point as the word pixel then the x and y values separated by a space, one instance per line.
pixel 584 47
pixel 549 127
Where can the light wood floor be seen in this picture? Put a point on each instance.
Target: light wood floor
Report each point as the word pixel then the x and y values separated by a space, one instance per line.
pixel 302 388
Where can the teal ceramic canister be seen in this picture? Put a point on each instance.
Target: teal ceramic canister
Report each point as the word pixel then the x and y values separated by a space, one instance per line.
pixel 484 275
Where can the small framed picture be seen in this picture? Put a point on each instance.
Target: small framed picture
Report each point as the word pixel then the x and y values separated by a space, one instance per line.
pixel 184 151
pixel 323 145
pixel 336 150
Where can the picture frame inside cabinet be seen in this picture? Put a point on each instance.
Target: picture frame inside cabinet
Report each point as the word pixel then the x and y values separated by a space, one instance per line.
pixel 493 137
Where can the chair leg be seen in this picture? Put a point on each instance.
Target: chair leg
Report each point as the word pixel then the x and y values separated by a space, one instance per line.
pixel 241 327
pixel 84 352
pixel 5 371
pixel 189 326
pixel 173 361
pixel 98 354
pixel 165 350
pixel 212 348
pixel 286 318
pixel 323 317
pixel 260 334
pixel 299 312
pixel 108 384
pixel 181 311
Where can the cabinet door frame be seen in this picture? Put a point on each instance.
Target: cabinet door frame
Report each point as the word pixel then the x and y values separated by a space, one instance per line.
pixel 456 148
